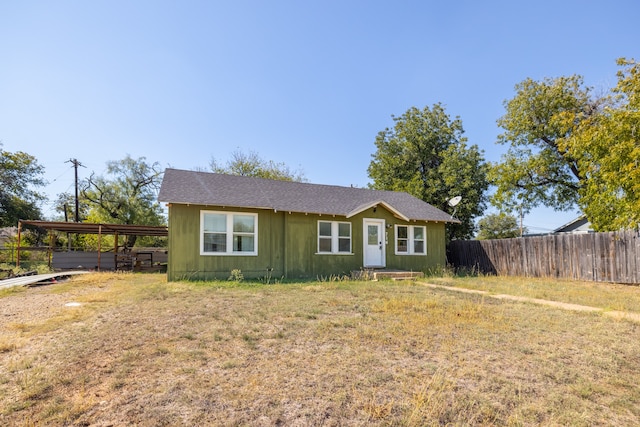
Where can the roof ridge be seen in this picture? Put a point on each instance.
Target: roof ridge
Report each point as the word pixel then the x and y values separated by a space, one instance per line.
pixel 260 179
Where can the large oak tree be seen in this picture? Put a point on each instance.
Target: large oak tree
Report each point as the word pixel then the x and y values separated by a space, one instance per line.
pixel 536 170
pixel 127 195
pixel 425 154
pixel 606 148
pixel 569 147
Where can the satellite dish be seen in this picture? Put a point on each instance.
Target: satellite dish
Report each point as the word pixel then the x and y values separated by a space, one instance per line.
pixel 453 202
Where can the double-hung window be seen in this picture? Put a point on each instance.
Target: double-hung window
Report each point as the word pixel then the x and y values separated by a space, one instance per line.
pixel 411 240
pixel 228 233
pixel 334 237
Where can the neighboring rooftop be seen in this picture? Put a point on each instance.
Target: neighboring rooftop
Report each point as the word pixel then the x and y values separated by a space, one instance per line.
pixel 578 225
pixel 7 234
pixel 213 189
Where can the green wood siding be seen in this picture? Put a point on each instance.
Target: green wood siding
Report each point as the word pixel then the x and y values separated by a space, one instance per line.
pixel 185 261
pixel 435 242
pixel 287 243
pixel 302 258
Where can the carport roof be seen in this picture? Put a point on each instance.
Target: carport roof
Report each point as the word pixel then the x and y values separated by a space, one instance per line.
pixel 88 228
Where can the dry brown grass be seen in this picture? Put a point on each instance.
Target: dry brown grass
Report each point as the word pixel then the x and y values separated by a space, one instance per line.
pixel 145 352
pixel 607 296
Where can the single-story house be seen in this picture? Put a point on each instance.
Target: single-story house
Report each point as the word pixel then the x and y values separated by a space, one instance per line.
pixel 219 223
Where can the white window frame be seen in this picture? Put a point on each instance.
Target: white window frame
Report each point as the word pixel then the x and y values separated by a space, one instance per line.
pixel 335 238
pixel 411 239
pixel 230 234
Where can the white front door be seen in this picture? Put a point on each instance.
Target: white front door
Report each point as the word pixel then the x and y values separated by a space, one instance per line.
pixel 374 243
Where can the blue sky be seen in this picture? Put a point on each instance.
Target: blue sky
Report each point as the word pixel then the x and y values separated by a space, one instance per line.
pixel 307 83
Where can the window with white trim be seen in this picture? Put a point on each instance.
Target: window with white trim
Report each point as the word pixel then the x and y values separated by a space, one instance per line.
pixel 334 237
pixel 411 240
pixel 228 233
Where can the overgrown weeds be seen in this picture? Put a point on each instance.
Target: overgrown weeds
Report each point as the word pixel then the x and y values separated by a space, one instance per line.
pixel 10 270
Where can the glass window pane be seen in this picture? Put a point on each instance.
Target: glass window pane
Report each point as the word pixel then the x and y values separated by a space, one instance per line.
pixel 215 242
pixel 215 223
pixel 372 232
pixel 344 245
pixel 344 230
pixel 324 228
pixel 243 243
pixel 418 233
pixel 402 232
pixel 418 247
pixel 402 245
pixel 324 245
pixel 243 223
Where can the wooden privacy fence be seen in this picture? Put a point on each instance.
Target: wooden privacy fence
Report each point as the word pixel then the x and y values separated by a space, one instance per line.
pixel 601 257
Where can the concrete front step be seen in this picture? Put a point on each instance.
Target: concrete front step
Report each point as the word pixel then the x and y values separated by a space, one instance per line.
pixel 371 274
pixel 397 275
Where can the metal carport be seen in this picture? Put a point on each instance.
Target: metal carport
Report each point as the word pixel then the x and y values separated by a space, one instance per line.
pixel 89 228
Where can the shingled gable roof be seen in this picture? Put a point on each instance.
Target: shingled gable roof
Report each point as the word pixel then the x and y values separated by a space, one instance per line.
pixel 213 189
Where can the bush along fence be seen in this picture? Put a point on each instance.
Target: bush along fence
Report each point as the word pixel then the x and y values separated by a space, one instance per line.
pixel 601 257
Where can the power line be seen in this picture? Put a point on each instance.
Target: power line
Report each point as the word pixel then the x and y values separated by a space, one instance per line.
pixel 59 176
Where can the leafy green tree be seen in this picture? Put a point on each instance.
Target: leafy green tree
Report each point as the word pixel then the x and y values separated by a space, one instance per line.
pixel 499 226
pixel 127 196
pixel 19 173
pixel 251 164
pixel 65 206
pixel 606 147
pixel 425 154
pixel 569 147
pixel 536 170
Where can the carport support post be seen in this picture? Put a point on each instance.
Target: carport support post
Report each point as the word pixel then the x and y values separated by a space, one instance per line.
pixel 99 244
pixel 50 251
pixel 18 252
pixel 115 251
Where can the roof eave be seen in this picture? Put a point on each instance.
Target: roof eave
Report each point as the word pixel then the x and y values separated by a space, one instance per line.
pixel 386 205
pixel 348 215
pixel 266 208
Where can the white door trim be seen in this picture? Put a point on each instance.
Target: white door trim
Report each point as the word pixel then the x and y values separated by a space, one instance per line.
pixel 373 258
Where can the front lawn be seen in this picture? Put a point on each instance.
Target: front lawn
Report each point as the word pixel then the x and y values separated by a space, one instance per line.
pixel 136 350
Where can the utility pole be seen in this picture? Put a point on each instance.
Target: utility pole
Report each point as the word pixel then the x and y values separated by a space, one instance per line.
pixel 76 163
pixel 521 219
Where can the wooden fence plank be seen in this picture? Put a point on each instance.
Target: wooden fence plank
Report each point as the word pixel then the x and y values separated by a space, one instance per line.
pixel 606 257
